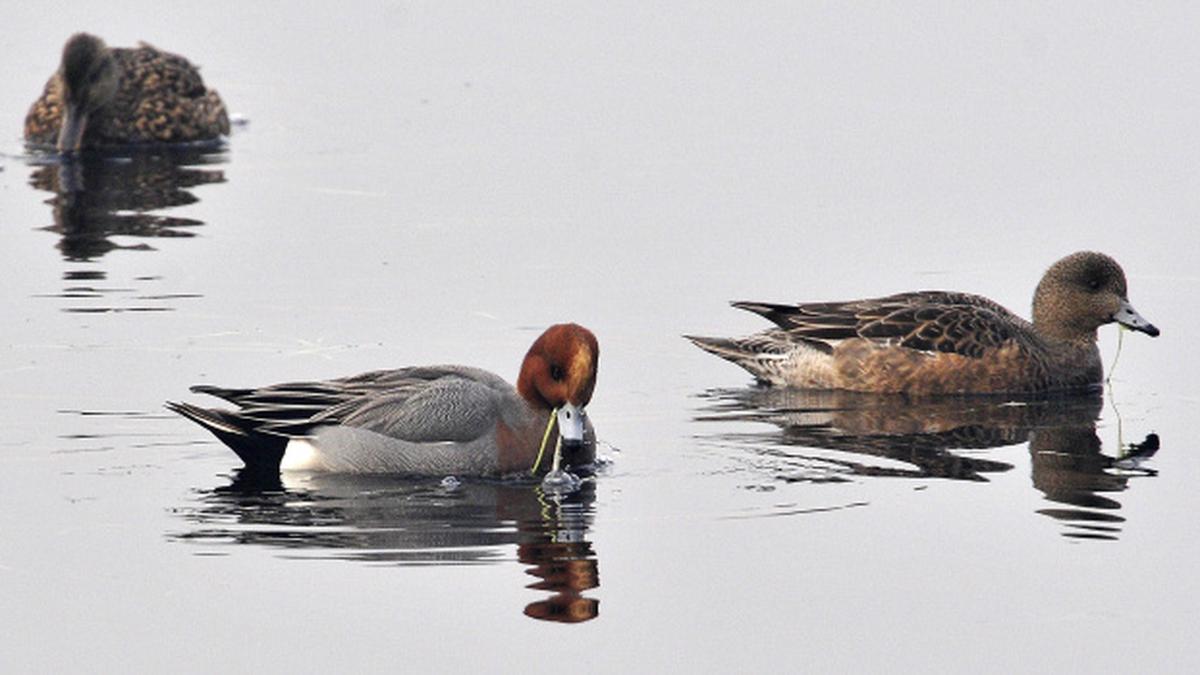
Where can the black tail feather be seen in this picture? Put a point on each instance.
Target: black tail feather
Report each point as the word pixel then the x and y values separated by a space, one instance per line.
pixel 260 451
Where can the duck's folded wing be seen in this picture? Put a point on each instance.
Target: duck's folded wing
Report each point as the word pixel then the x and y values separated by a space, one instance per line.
pixel 448 409
pixel 958 329
pixel 938 321
pixel 420 404
pixel 158 73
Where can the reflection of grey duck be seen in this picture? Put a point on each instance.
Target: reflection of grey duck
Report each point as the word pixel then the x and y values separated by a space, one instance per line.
pixel 111 97
pixel 380 519
pixel 937 342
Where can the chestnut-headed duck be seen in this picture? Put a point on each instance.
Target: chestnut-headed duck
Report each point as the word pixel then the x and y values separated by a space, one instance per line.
pixel 943 342
pixel 101 97
pixel 432 420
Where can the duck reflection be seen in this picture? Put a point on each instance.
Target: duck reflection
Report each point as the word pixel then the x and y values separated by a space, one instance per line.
pixel 1070 469
pixel 885 435
pixel 99 197
pixel 389 520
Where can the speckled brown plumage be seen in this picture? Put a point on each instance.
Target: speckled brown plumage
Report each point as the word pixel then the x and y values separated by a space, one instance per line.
pixel 130 96
pixel 939 342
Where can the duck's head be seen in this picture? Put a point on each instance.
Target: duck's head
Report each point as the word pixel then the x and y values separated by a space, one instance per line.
pixel 559 372
pixel 1082 292
pixel 89 81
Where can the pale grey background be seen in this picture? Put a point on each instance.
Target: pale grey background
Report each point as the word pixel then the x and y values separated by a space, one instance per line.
pixel 437 182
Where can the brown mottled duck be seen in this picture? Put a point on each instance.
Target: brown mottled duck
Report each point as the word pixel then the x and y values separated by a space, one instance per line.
pixel 104 97
pixel 943 342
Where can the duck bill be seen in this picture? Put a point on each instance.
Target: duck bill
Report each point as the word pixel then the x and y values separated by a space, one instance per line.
pixel 1127 316
pixel 571 422
pixel 70 135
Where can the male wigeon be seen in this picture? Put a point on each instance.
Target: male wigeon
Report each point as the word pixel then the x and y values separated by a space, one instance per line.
pixel 434 420
pixel 943 342
pixel 111 97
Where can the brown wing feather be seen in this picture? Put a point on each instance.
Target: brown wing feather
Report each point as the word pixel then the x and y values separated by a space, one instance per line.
pixel 940 321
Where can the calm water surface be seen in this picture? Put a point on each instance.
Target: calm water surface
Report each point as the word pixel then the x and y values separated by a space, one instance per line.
pixel 420 184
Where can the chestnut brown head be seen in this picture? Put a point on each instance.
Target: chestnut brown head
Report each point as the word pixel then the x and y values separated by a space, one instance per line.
pixel 560 367
pixel 559 373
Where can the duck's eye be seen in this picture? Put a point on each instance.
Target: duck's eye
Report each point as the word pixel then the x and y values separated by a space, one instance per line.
pixel 557 373
pixel 1094 283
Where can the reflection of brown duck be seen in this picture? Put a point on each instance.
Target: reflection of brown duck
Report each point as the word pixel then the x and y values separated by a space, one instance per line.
pixel 924 434
pixel 384 519
pixel 96 198
pixel 1069 468
pixel 930 434
pixel 102 97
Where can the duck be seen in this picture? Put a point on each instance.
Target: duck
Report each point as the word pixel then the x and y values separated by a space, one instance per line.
pixel 943 342
pixel 110 97
pixel 442 420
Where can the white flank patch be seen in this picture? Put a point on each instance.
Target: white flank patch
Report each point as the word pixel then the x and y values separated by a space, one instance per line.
pixel 299 455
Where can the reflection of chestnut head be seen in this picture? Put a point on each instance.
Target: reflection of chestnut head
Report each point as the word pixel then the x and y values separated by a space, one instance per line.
pixel 564 608
pixel 565 568
pixel 562 565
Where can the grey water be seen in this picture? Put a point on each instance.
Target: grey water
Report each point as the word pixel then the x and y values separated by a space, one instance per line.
pixel 431 183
